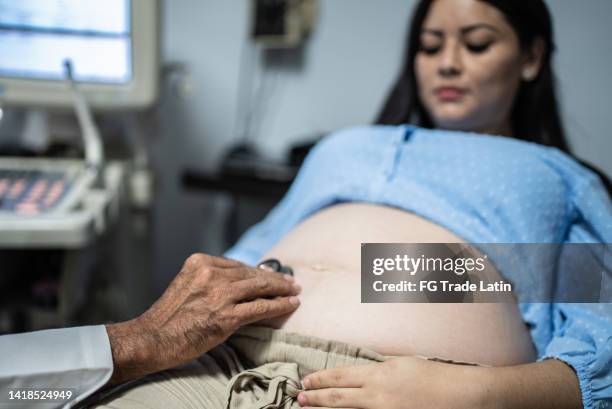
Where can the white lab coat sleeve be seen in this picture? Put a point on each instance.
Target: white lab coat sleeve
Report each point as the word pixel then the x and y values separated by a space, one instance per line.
pixel 78 358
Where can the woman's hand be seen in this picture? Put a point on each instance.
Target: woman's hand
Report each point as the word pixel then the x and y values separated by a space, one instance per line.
pixel 399 383
pixel 409 382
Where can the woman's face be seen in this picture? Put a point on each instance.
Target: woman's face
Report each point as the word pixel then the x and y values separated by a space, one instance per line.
pixel 469 67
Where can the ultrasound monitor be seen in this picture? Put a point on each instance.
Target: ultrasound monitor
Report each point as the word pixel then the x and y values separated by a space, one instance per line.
pixel 75 55
pixel 111 44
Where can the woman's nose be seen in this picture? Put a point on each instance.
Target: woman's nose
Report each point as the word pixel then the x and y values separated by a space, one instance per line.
pixel 450 61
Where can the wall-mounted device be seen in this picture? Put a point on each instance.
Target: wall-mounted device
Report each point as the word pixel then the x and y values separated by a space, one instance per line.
pixel 282 23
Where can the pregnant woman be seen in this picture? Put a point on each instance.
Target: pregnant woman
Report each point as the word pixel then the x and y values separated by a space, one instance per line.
pixel 477 66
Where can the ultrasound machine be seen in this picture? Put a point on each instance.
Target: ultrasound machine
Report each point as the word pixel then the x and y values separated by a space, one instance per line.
pixel 98 55
pixel 67 213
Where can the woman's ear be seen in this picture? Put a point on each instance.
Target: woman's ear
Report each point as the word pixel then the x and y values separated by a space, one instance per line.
pixel 532 60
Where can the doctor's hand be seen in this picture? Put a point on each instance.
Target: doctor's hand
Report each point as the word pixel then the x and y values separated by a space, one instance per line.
pixel 399 383
pixel 207 301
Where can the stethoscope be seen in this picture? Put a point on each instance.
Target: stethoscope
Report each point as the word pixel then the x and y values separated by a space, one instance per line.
pixel 276 265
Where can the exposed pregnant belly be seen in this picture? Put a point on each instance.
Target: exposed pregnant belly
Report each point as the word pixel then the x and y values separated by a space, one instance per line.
pixel 324 252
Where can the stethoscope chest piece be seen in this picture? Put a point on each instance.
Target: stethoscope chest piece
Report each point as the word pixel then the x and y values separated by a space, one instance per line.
pixel 275 265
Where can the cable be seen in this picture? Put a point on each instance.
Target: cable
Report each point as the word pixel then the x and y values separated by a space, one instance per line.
pixel 94 155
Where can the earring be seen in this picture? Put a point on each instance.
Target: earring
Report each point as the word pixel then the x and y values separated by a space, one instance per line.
pixel 528 74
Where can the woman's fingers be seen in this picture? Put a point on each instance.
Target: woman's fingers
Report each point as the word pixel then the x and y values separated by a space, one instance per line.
pixel 325 407
pixel 345 377
pixel 333 398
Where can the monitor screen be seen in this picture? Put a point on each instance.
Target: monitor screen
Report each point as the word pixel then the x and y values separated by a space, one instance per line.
pixel 112 46
pixel 36 36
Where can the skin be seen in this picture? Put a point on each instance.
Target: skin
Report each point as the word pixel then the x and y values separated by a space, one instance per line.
pixel 208 300
pixel 466 44
pixel 321 251
pixel 407 382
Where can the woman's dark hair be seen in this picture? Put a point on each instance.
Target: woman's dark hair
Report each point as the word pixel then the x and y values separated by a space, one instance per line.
pixel 535 115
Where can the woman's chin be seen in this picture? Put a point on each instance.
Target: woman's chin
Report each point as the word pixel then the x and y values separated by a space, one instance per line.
pixel 458 122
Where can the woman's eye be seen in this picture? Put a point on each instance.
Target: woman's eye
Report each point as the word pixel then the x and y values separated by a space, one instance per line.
pixel 478 48
pixel 429 49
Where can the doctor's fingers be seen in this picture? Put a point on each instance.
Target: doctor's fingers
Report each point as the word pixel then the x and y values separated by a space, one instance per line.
pixel 261 309
pixel 263 286
pixel 257 278
pixel 245 272
pixel 206 272
pixel 201 259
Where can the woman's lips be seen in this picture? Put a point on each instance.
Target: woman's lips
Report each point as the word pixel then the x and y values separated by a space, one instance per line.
pixel 449 93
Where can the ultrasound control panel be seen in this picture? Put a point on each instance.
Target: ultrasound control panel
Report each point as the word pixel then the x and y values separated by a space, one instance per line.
pixel 37 186
pixel 31 191
pixel 55 202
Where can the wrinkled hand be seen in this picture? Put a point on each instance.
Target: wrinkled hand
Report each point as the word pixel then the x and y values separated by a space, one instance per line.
pixel 399 383
pixel 207 301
